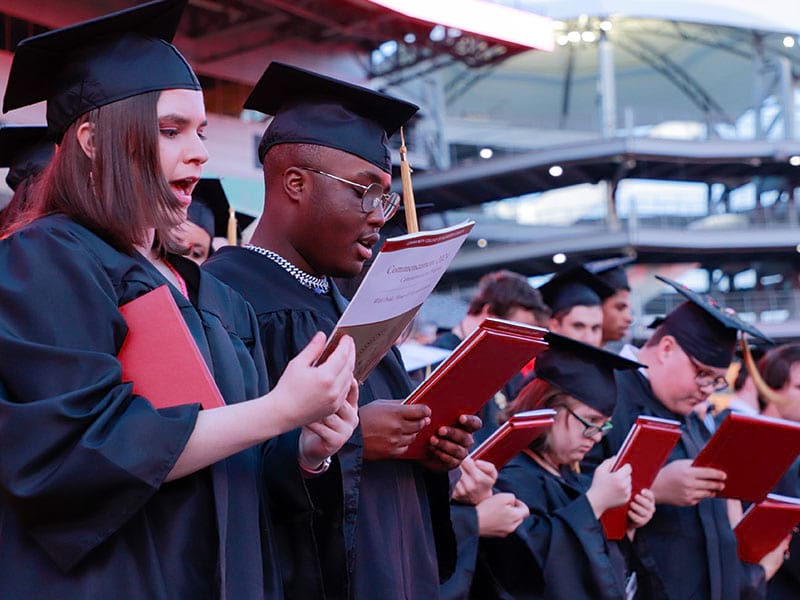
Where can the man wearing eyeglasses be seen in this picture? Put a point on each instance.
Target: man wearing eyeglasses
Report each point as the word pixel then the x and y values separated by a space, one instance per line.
pixel 372 526
pixel 690 539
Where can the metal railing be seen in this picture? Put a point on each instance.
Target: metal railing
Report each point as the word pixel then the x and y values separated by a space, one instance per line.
pixel 774 308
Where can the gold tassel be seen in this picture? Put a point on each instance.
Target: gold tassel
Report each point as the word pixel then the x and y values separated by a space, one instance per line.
pixel 408 192
pixel 232 227
pixel 770 395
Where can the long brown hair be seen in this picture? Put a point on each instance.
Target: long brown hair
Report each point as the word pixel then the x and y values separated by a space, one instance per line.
pixel 121 191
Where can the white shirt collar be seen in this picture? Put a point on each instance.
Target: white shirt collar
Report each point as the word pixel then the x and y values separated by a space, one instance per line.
pixel 632 353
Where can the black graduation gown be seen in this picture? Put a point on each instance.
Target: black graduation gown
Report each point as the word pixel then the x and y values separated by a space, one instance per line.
pixel 560 550
pixel 402 509
pixel 84 509
pixel 466 528
pixel 690 551
pixel 785 585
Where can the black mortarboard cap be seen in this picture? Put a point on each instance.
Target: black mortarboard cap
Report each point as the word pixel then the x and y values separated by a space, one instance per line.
pixel 704 329
pixel 310 108
pixel 213 209
pixel 574 286
pixel 201 215
pixel 96 62
pixel 25 151
pixel 612 272
pixel 584 372
pixel 210 209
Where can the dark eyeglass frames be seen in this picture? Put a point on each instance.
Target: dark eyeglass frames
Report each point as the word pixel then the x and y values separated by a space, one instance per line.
pixel 590 429
pixel 703 378
pixel 372 196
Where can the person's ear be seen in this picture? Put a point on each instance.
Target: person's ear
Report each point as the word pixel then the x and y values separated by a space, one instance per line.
pixel 554 325
pixel 667 347
pixel 295 183
pixel 85 136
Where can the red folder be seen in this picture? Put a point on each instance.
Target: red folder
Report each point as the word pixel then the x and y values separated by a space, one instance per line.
pixel 754 451
pixel 646 448
pixel 765 524
pixel 513 436
pixel 468 378
pixel 160 356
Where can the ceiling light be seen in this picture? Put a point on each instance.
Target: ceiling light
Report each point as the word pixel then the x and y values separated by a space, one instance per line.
pixel 437 34
pixel 555 171
pixel 486 153
pixel 788 41
pixel 559 258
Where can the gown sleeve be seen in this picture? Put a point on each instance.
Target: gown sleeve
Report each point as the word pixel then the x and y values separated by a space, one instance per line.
pixel 787 580
pixel 560 547
pixel 467 532
pixel 81 453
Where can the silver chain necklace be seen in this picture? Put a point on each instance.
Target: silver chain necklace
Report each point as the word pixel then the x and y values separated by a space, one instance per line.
pixel 319 285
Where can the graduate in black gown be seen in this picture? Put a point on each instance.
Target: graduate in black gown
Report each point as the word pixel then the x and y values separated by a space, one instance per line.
pixel 102 495
pixel 689 540
pixel 373 526
pixel 25 151
pixel 575 298
pixel 785 585
pixel 617 314
pixel 780 370
pixel 560 550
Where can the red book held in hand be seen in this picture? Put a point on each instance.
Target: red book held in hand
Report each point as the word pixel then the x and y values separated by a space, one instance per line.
pixel 765 524
pixel 646 448
pixel 754 452
pixel 160 356
pixel 481 364
pixel 513 436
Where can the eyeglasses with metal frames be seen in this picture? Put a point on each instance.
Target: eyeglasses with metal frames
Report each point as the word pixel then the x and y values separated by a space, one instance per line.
pixel 372 197
pixel 590 429
pixel 704 378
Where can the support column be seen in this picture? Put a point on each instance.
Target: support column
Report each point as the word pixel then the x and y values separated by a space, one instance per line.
pixel 612 218
pixel 607 86
pixel 787 97
pixel 759 65
pixel 435 140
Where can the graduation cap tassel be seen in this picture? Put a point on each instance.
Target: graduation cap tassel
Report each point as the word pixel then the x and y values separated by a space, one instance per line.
pixel 766 392
pixel 408 193
pixel 232 227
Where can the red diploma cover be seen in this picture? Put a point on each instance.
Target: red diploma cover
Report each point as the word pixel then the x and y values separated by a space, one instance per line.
pixel 646 449
pixel 754 451
pixel 160 356
pixel 468 378
pixel 513 436
pixel 765 524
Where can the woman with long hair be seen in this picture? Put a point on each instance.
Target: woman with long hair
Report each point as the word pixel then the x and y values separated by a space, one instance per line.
pixel 102 495
pixel 560 551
